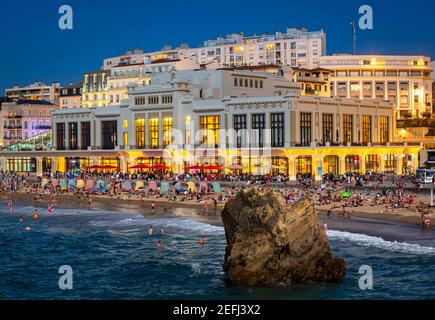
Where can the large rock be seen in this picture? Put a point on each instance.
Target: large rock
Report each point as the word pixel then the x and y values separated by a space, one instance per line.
pixel 269 242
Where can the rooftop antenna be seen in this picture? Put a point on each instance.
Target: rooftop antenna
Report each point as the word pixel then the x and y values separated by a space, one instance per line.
pixel 354 37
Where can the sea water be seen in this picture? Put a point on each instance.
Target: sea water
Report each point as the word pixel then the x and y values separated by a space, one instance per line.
pixel 113 257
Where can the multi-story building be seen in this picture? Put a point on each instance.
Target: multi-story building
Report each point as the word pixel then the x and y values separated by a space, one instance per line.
pixel 313 81
pixel 71 96
pixel 135 56
pixel 35 91
pixel 24 119
pixel 403 80
pixel 95 89
pixel 257 120
pixel 295 47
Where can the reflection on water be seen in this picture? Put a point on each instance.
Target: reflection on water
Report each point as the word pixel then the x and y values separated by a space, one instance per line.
pixel 113 257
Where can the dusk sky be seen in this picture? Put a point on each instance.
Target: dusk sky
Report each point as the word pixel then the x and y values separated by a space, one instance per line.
pixel 34 48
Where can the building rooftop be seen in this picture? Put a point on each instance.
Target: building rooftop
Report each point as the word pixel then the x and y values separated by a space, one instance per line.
pixel 34 102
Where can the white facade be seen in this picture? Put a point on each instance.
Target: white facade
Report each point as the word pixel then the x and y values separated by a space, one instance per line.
pixel 295 47
pixel 403 80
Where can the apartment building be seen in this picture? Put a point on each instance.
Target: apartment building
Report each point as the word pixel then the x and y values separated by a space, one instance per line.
pixel 403 80
pixel 35 91
pixel 71 96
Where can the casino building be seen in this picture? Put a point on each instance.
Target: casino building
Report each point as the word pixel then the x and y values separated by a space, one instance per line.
pixel 255 121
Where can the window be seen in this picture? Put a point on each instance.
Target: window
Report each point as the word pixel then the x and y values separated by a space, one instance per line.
pixel 210 126
pixel 366 129
pixel 125 122
pixel 347 128
pixel 140 133
pixel 153 127
pixel 86 135
pixel 240 123
pixel 109 130
pixel 305 128
pixel 73 132
pixel 277 126
pixel 328 127
pixel 258 126
pixel 60 136
pixel 167 131
pixel 138 101
pixel 188 132
pixel 153 100
pixel 166 99
pixel 384 129
pixel 125 138
pixel 236 82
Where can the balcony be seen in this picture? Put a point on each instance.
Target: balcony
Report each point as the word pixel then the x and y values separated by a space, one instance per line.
pixel 42 127
pixel 14 117
pixel 13 127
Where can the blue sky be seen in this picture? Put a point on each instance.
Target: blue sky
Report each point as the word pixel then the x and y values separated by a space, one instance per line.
pixel 34 48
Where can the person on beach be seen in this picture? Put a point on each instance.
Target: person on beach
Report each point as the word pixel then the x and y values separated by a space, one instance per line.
pixel 201 241
pixel 35 215
pixel 325 226
pixel 50 208
pixel 153 206
pixel 150 230
pixel 89 202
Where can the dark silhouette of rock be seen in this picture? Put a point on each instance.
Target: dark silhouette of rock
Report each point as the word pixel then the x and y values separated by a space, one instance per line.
pixel 269 242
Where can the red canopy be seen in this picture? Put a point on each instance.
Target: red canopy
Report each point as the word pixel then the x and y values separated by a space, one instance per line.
pixel 204 167
pixel 141 166
pixel 160 167
pixel 93 167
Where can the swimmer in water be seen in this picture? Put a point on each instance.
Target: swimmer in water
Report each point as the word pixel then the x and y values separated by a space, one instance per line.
pixel 27 228
pixel 21 219
pixel 50 208
pixel 150 230
pixel 202 241
pixel 162 230
pixel 35 215
pixel 160 245
pixel 325 226
pixel 10 206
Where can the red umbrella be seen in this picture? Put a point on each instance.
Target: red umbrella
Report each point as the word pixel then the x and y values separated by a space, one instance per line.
pixel 141 166
pixel 92 167
pixel 109 168
pixel 204 167
pixel 160 167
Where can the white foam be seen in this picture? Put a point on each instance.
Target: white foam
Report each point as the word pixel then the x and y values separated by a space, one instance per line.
pixel 376 242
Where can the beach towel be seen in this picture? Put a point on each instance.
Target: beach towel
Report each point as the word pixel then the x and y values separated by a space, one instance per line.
pixel 164 187
pixel 138 185
pixel 55 182
pixel 80 184
pixel 216 187
pixel 63 184
pixel 72 184
pixel 126 185
pixel 153 186
pixel 191 186
pixel 90 184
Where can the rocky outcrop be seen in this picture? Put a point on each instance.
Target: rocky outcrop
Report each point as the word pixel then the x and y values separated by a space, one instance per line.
pixel 269 243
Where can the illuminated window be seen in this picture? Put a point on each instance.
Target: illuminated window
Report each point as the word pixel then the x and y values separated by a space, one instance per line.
pixel 187 130
pixel 277 127
pixel 384 129
pixel 153 127
pixel 258 126
pixel 125 138
pixel 167 131
pixel 140 133
pixel 328 127
pixel 125 124
pixel 210 126
pixel 347 128
pixel 305 129
pixel 366 129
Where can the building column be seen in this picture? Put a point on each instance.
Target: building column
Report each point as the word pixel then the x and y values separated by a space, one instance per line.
pixel 342 164
pixel 382 164
pixel 79 135
pixel 67 134
pixel 292 168
pixel 38 166
pixel 123 164
pixel 54 168
pixel 318 163
pixel 400 158
pixel 414 162
pixel 160 131
pixel 362 162
pixel 3 163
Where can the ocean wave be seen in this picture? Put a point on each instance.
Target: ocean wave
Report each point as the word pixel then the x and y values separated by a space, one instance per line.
pixel 379 243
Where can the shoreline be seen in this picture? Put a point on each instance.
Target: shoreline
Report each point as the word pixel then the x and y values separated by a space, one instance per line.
pixel 196 210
